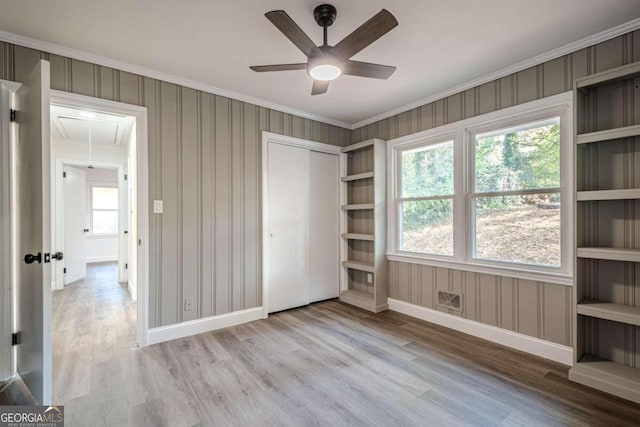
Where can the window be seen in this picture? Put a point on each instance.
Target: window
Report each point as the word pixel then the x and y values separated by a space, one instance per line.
pixel 104 210
pixel 426 199
pixel 516 194
pixel 489 194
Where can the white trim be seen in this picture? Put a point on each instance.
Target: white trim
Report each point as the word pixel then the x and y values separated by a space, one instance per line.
pixel 170 78
pixel 6 253
pixel 142 152
pixel 536 276
pixel 106 258
pixel 536 346
pixel 462 132
pixel 321 147
pixel 303 143
pixel 506 71
pixel 200 326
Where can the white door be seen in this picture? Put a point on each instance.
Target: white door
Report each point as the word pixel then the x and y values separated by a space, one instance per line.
pixel 33 227
pixel 287 226
pixel 324 227
pixel 75 219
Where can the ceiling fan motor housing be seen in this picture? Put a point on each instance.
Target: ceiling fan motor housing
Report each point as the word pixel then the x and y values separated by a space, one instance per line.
pixel 325 15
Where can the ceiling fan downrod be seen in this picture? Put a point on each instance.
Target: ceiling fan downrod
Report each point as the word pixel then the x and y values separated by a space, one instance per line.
pixel 325 15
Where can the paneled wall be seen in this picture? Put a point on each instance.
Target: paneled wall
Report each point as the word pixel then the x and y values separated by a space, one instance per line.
pixel 204 162
pixel 541 310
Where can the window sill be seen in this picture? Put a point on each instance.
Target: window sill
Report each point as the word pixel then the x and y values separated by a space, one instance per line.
pixel 538 276
pixel 102 236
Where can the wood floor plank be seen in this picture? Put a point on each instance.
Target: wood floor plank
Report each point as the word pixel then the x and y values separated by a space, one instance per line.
pixel 327 364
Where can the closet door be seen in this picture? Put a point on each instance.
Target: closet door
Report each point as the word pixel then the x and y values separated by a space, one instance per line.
pixel 288 227
pixel 324 227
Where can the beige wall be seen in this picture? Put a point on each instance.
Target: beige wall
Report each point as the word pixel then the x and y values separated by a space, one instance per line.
pixel 204 162
pixel 537 309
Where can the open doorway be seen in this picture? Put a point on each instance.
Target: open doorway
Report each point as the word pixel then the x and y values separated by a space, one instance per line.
pixel 93 214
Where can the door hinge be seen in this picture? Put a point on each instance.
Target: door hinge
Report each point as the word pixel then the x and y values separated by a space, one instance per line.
pixel 64 174
pixel 125 177
pixel 12 115
pixel 126 266
pixel 15 338
pixel 64 270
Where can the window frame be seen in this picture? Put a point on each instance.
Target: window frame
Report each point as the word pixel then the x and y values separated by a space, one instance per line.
pixel 90 209
pixel 441 138
pixel 463 134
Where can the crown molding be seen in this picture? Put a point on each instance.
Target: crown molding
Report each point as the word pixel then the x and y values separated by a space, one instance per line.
pixel 511 69
pixel 158 75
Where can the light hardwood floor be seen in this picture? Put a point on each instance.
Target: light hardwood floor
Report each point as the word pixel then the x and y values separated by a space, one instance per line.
pixel 325 364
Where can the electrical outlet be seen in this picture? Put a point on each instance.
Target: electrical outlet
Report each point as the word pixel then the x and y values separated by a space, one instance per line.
pixel 369 278
pixel 188 304
pixel 157 206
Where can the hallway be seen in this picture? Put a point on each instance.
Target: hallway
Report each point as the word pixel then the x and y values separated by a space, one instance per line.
pixel 94 320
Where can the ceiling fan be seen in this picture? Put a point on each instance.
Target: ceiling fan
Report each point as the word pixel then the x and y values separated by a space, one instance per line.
pixel 326 63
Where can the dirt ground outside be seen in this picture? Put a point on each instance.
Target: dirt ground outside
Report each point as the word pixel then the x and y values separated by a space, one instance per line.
pixel 528 234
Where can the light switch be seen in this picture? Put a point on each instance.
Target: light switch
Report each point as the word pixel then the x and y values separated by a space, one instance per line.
pixel 157 206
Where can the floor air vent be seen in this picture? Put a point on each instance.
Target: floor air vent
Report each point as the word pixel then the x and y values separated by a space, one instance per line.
pixel 450 300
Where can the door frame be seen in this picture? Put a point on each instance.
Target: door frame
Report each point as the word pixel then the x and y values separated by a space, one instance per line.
pixel 8 319
pixel 270 137
pixel 72 100
pixel 58 225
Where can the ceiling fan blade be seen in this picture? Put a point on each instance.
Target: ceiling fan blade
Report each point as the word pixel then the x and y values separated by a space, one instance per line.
pixel 376 27
pixel 367 69
pixel 290 29
pixel 319 87
pixel 278 67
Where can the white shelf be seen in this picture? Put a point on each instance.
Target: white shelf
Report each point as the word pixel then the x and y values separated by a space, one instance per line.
pixel 610 311
pixel 362 299
pixel 357 176
pixel 358 236
pixel 625 72
pixel 615 254
pixel 610 377
pixel 605 135
pixel 359 265
pixel 632 193
pixel 359 207
pixel 359 145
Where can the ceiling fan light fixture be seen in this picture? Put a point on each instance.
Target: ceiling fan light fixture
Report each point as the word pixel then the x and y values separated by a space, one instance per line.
pixel 325 72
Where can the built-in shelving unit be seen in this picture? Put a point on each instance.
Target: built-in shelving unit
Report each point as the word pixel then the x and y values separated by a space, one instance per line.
pixel 607 214
pixel 364 226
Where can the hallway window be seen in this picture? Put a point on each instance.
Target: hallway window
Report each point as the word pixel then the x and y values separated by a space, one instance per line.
pixel 104 210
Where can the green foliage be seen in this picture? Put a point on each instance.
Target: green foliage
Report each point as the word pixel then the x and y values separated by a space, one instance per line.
pixel 428 172
pixel 519 160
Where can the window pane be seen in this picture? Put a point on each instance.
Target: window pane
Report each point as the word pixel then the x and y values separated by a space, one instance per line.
pixel 104 198
pixel 526 157
pixel 105 222
pixel 522 229
pixel 427 227
pixel 428 171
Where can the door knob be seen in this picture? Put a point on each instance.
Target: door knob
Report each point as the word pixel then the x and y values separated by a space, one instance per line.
pixel 86 230
pixel 57 256
pixel 30 258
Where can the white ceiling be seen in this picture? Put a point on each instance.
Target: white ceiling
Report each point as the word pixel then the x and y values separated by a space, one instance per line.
pixel 437 45
pixel 69 124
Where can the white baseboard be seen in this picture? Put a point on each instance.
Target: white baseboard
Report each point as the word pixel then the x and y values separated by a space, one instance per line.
pixel 536 346
pixel 199 326
pixel 108 258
